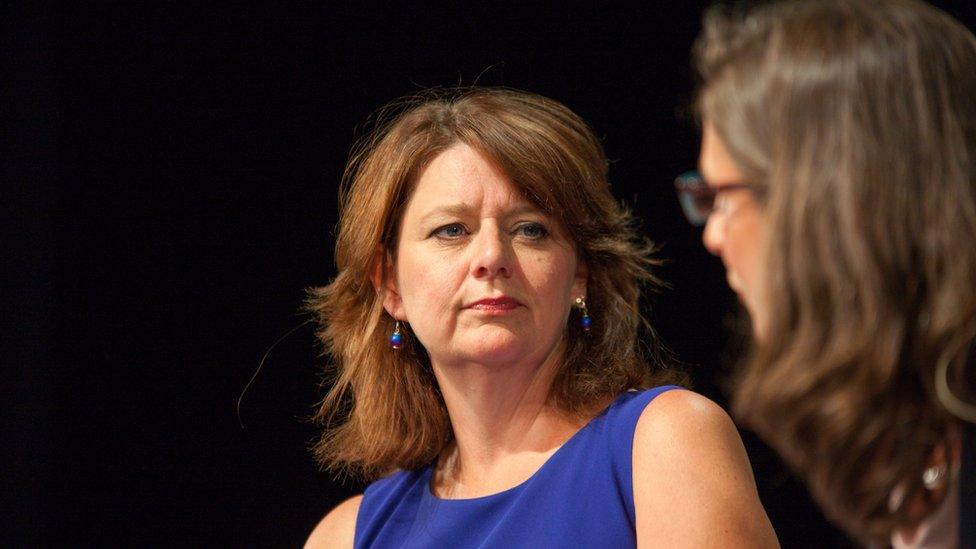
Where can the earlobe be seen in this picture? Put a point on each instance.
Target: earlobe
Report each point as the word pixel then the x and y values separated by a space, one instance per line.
pixel 383 277
pixel 580 279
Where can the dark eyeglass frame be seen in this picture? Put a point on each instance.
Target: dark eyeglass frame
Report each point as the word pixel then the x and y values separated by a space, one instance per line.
pixel 697 197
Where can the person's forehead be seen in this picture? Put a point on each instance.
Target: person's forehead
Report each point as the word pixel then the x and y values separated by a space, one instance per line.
pixel 715 163
pixel 462 178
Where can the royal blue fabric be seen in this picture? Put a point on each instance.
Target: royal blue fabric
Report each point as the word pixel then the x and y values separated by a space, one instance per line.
pixel 582 496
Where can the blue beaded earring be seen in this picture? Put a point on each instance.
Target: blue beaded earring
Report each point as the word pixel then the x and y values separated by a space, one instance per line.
pixel 585 320
pixel 396 338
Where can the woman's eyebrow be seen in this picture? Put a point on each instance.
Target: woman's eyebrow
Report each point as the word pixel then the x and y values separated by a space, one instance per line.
pixel 461 209
pixel 525 208
pixel 457 209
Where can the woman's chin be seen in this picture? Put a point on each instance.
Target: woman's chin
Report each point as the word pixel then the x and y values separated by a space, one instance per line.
pixel 756 324
pixel 499 346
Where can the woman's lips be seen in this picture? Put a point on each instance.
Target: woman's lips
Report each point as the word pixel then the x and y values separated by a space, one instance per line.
pixel 495 305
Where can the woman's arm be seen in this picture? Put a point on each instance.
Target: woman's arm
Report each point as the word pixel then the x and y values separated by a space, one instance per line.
pixel 693 486
pixel 338 527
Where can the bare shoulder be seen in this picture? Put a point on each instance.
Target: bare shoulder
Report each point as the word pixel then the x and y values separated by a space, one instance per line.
pixel 338 527
pixel 678 416
pixel 693 485
pixel 684 432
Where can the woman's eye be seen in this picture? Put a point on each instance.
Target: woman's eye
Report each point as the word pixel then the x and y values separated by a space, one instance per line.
pixel 532 231
pixel 722 203
pixel 454 230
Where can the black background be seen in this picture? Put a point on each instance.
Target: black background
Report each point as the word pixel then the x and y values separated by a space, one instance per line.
pixel 170 183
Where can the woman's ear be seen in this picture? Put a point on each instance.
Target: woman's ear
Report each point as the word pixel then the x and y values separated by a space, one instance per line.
pixel 383 277
pixel 580 279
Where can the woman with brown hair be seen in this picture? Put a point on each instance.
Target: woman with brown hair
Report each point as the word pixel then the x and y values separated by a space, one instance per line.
pixel 838 181
pixel 483 330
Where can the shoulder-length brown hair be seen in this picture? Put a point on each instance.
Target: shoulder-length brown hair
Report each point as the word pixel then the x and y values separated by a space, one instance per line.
pixel 384 411
pixel 860 117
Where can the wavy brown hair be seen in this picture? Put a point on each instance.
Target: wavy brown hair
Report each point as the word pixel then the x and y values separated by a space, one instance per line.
pixel 860 118
pixel 384 411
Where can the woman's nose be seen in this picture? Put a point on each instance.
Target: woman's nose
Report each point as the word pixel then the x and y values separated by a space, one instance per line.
pixel 713 236
pixel 492 254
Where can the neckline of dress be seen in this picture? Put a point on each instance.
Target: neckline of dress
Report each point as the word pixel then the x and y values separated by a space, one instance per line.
pixel 429 473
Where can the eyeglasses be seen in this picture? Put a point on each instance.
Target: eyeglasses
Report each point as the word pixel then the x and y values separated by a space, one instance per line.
pixel 697 198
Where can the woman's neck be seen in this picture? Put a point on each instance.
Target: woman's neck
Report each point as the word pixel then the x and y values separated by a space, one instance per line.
pixel 504 425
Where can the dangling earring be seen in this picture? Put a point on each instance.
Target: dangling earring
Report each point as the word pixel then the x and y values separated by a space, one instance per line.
pixel 396 338
pixel 585 320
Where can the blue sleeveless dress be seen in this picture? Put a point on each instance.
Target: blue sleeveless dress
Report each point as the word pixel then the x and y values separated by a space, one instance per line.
pixel 582 496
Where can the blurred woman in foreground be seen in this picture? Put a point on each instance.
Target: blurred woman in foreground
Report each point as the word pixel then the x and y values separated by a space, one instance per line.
pixel 838 181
